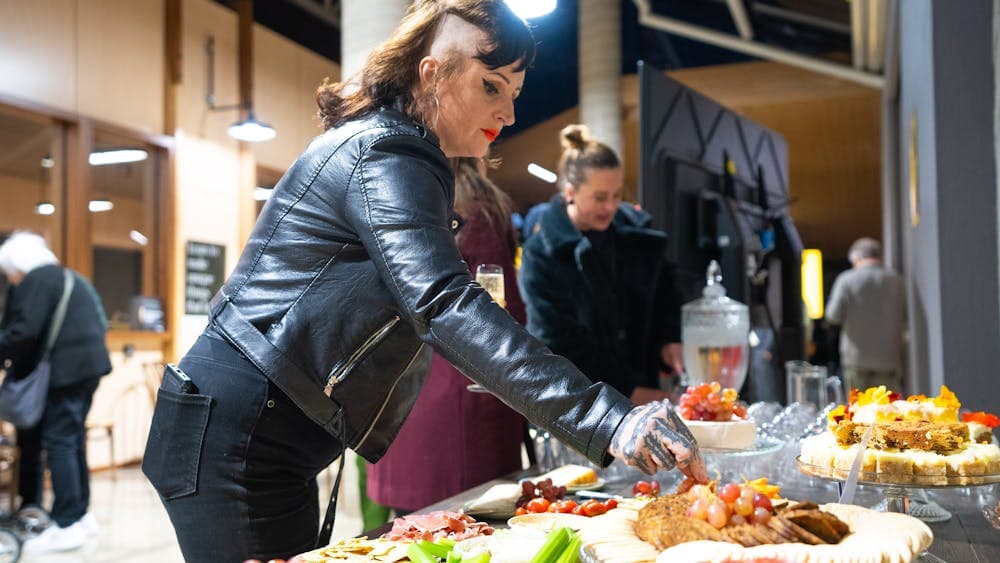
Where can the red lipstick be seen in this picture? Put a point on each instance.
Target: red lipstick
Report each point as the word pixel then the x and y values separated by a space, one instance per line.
pixel 491 134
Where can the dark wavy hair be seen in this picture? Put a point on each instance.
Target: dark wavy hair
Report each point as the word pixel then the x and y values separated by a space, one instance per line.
pixel 391 70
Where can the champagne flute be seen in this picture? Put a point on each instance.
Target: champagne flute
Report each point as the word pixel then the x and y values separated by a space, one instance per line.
pixel 490 276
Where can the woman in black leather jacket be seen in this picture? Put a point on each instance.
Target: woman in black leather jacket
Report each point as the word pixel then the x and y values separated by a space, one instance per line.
pixel 320 338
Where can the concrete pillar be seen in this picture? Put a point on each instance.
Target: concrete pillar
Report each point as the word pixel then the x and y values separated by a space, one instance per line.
pixel 364 25
pixel 600 70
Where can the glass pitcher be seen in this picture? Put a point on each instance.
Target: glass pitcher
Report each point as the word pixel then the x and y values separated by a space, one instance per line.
pixel 809 384
pixel 714 332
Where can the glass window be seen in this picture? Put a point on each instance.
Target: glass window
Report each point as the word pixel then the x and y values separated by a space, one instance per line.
pixel 125 179
pixel 31 178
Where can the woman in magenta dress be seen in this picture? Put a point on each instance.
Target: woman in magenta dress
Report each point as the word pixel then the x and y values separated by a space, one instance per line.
pixel 454 438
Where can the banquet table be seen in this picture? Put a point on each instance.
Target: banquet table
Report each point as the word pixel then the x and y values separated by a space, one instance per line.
pixel 966 538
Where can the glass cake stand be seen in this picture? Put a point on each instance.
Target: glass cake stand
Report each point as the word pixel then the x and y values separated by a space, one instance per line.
pixel 900 490
pixel 734 465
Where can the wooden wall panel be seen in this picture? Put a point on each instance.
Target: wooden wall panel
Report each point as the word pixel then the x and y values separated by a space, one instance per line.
pixel 834 167
pixel 312 70
pixel 202 19
pixel 285 79
pixel 276 69
pixel 37 42
pixel 18 209
pixel 120 57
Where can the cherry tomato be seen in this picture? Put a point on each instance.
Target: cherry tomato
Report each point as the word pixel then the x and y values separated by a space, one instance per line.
pixel 655 486
pixel 538 505
pixel 520 511
pixel 565 506
pixel 594 508
pixel 578 509
pixel 611 503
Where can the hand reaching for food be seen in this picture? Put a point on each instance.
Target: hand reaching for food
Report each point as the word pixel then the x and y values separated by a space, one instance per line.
pixel 652 438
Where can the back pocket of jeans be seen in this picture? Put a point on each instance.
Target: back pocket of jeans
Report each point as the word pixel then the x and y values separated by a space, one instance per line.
pixel 176 438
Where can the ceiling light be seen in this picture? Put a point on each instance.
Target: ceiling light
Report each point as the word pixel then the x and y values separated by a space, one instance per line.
pixel 138 237
pixel 261 193
pixel 45 208
pixel 117 156
pixel 251 130
pixel 99 205
pixel 542 173
pixel 528 9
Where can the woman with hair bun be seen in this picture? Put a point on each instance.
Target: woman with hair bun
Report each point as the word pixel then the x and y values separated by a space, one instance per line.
pixel 595 279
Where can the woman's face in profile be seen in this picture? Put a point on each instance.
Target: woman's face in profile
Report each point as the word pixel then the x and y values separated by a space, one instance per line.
pixel 595 201
pixel 475 104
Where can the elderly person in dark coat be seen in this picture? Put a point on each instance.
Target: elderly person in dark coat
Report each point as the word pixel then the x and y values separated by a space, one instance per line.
pixel 598 288
pixel 79 358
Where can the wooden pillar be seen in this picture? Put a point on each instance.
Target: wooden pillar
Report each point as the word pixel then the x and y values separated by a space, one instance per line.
pixel 169 281
pixel 78 232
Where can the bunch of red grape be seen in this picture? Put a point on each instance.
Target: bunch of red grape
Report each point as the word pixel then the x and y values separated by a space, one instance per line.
pixel 733 504
pixel 709 401
pixel 542 489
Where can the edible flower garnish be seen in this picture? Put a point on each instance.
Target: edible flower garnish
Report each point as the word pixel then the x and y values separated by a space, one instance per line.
pixel 839 413
pixel 984 418
pixel 946 399
pixel 761 486
pixel 917 398
pixel 874 395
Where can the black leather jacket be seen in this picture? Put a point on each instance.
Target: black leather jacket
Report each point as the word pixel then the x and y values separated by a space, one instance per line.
pixel 352 268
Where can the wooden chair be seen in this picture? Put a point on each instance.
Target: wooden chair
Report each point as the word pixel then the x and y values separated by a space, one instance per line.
pixel 152 373
pixel 104 423
pixel 10 465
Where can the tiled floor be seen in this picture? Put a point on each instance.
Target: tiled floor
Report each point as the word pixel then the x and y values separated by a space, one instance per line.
pixel 135 527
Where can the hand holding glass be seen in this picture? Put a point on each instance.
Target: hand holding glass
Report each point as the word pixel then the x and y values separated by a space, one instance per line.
pixel 490 276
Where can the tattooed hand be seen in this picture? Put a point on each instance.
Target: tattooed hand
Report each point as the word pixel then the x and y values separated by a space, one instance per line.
pixel 652 437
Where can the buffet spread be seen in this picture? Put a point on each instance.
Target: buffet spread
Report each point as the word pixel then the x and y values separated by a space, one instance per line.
pixel 550 519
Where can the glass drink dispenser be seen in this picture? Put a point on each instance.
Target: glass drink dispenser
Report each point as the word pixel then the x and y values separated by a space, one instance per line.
pixel 714 333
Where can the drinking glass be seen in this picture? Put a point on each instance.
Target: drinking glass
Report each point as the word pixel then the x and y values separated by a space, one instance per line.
pixel 490 276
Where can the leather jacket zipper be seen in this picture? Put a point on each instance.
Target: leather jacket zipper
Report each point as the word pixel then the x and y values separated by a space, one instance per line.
pixel 341 370
pixel 388 395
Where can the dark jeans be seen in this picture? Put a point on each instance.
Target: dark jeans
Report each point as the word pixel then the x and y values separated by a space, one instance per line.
pixel 62 435
pixel 236 464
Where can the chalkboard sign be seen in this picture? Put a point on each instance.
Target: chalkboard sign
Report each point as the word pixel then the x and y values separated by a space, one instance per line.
pixel 206 266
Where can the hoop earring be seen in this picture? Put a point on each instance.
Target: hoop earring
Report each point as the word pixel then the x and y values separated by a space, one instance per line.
pixel 437 110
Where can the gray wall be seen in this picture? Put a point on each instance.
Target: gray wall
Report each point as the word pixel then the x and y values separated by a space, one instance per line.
pixel 946 73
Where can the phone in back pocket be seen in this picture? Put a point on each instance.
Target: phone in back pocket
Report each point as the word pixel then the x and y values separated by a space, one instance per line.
pixel 176 380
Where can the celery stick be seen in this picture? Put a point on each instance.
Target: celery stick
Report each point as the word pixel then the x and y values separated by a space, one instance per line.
pixel 572 552
pixel 418 555
pixel 553 546
pixel 434 549
pixel 454 557
pixel 447 542
pixel 483 557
